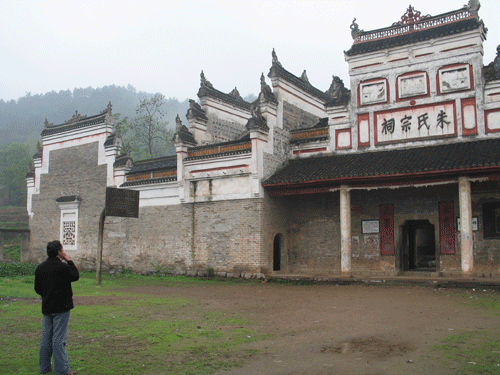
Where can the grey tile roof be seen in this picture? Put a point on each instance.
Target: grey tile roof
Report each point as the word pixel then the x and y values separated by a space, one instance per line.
pixel 151 165
pixel 87 121
pixel 228 98
pixel 431 160
pixel 149 181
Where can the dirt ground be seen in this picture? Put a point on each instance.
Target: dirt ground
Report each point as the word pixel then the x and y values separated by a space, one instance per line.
pixel 343 330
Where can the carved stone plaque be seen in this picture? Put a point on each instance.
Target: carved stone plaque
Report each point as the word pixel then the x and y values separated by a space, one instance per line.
pixel 122 202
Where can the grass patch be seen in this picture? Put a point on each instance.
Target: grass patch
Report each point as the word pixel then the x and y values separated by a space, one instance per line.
pixel 116 331
pixel 477 353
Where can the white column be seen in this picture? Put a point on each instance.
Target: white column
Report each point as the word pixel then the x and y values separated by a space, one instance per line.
pixel 466 240
pixel 345 231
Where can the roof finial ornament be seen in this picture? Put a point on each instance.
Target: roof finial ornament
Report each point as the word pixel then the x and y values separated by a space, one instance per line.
pixel 496 63
pixel 108 109
pixel 235 93
pixel 39 147
pixel 355 31
pixel 473 5
pixel 275 58
pixel 337 92
pixel 178 123
pixel 47 124
pixel 264 87
pixel 204 81
pixel 303 77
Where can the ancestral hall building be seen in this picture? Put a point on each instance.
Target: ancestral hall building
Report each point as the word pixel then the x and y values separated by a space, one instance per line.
pixel 399 174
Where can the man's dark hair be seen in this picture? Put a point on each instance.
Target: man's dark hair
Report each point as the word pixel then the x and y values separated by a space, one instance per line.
pixel 53 248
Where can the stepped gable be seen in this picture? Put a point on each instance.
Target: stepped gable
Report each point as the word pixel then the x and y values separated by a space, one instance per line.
pixel 266 93
pixel 122 160
pixel 195 111
pixel 257 121
pixel 452 158
pixel 234 98
pixel 182 134
pixel 80 121
pixel 277 70
pixel 337 93
pixel 414 28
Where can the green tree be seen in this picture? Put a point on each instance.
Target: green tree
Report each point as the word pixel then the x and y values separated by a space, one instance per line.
pixel 147 133
pixel 14 162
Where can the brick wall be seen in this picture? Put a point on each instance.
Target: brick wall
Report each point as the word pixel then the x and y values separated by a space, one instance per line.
pixel 296 118
pixel 223 130
pixel 227 237
pixel 72 171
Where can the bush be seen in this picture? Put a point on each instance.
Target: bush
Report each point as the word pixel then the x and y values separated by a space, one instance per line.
pixel 17 269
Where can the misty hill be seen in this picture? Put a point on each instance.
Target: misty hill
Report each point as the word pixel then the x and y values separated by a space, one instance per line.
pixel 22 120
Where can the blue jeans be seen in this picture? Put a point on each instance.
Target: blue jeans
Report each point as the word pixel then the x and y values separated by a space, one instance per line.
pixel 53 343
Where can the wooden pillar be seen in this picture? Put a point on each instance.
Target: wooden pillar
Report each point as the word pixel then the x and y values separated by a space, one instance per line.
pixel 466 239
pixel 345 231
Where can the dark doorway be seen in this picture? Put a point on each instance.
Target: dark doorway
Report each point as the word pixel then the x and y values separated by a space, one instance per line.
pixel 278 243
pixel 419 248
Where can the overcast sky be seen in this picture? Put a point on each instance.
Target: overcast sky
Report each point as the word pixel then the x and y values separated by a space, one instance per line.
pixel 162 46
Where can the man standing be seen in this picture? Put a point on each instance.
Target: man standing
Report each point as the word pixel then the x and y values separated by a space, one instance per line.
pixel 53 280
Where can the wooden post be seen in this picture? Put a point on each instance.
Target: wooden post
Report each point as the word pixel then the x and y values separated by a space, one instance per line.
pixel 99 246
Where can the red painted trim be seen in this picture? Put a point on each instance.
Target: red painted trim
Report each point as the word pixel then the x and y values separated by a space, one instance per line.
pixel 463 104
pixel 296 152
pixel 398 99
pixel 375 114
pixel 369 81
pixel 471 78
pixel 219 169
pixel 366 66
pixel 425 54
pixel 395 60
pixel 455 48
pixel 486 113
pixel 337 133
pixel 362 117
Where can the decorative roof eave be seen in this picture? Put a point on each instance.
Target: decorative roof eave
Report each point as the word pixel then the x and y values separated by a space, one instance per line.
pixel 300 141
pixel 234 98
pixel 195 111
pixel 152 165
pixel 123 161
pixel 424 28
pixel 277 71
pixel 149 181
pixel 79 121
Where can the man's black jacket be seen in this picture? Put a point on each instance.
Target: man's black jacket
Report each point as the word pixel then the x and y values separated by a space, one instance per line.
pixel 53 280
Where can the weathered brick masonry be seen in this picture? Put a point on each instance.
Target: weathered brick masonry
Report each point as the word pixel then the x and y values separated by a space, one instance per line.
pixel 73 171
